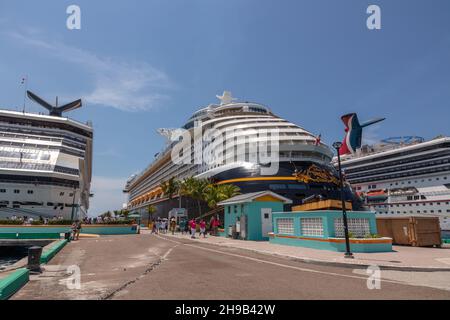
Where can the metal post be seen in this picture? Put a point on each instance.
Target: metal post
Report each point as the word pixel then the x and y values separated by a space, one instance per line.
pixel 73 204
pixel 348 254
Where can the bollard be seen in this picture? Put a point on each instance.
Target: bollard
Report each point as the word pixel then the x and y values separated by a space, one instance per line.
pixel 34 258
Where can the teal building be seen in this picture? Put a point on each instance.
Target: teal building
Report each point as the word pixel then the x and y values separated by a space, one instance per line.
pixel 324 230
pixel 249 216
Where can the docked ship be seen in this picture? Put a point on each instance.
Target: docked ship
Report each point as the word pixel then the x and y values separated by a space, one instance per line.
pixel 398 175
pixel 45 163
pixel 302 161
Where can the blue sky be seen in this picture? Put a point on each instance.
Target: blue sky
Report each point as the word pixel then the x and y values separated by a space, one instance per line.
pixel 142 65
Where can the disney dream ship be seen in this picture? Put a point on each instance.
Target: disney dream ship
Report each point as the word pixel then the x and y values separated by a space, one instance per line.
pixel 400 175
pixel 45 163
pixel 304 166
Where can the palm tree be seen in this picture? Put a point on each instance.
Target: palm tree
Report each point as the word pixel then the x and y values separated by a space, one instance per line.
pixel 125 213
pixel 151 210
pixel 215 193
pixel 195 188
pixel 212 195
pixel 229 191
pixel 170 187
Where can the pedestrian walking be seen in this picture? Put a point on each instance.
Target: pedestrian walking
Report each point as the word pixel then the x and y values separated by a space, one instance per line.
pixel 173 225
pixel 193 226
pixel 187 227
pixel 73 229
pixel 202 228
pixel 78 229
pixel 154 227
pixel 183 226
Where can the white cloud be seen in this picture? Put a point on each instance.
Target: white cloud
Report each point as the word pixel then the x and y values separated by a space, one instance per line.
pixel 123 85
pixel 108 195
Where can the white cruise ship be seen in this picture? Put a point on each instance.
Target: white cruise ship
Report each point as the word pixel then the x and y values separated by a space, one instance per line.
pixel 45 163
pixel 303 163
pixel 401 175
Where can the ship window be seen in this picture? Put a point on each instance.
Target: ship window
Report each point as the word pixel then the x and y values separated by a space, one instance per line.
pixel 16 191
pixel 423 197
pixel 439 211
pixel 438 203
pixel 61 194
pixel 2 190
pixel 432 211
pixel 71 194
pixel 30 191
pixel 424 211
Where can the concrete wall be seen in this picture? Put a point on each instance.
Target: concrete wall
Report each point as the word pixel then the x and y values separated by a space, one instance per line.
pixel 328 240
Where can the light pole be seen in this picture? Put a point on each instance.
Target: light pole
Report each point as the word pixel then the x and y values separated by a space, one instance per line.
pixel 348 254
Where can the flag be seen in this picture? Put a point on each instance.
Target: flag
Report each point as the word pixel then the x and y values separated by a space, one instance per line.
pixel 317 142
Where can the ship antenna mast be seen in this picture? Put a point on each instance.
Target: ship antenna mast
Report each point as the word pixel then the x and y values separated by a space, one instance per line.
pixel 25 83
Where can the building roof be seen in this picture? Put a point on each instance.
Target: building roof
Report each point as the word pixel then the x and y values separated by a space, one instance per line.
pixel 249 197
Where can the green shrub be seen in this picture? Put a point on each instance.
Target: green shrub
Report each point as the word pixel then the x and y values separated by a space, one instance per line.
pixel 37 223
pixel 60 222
pixel 11 222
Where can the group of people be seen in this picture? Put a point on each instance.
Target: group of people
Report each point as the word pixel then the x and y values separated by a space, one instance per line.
pixel 159 226
pixel 29 220
pixel 186 226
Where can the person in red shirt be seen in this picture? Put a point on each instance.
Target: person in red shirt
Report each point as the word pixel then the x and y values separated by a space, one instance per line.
pixel 193 226
pixel 202 228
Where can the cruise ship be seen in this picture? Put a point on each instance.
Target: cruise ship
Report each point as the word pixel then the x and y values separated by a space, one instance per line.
pixel 300 165
pixel 399 175
pixel 45 163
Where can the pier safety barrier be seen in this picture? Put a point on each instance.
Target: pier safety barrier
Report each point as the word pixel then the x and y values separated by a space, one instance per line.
pixel 49 253
pixel 10 284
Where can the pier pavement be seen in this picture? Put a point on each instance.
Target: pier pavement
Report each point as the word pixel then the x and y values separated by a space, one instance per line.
pixel 166 267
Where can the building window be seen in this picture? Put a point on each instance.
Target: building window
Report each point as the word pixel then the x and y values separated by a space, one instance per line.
pixel 285 225
pixel 312 227
pixel 359 227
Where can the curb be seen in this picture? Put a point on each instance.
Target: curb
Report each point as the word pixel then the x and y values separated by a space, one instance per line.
pixel 52 251
pixel 13 282
pixel 332 263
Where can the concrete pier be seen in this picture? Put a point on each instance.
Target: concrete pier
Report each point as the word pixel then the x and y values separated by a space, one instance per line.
pixel 161 267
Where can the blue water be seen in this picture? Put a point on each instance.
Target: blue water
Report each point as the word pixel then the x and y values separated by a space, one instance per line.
pixel 10 255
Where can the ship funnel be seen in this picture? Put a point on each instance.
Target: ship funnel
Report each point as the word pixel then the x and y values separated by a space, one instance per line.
pixel 225 98
pixel 54 110
pixel 353 129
